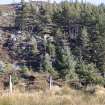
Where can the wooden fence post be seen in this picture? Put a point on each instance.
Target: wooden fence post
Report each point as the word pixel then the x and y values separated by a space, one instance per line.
pixel 51 82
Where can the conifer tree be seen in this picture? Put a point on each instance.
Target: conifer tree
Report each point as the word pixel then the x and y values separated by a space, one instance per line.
pixel 66 64
pixel 85 44
pixel 47 65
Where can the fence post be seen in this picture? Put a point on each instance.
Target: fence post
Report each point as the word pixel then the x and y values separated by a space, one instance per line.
pixel 51 82
pixel 10 84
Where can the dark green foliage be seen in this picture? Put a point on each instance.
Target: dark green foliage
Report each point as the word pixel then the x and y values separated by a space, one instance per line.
pixel 89 74
pixel 60 21
pixel 66 64
pixel 47 65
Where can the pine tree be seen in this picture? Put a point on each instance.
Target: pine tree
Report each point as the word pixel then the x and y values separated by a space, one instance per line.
pixel 47 65
pixel 51 49
pixel 85 44
pixel 25 17
pixel 88 74
pixel 71 66
pixel 66 64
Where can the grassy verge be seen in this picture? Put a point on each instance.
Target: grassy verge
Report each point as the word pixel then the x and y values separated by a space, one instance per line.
pixel 64 96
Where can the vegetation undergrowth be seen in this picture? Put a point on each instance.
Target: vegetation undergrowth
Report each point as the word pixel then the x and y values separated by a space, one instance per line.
pixel 68 97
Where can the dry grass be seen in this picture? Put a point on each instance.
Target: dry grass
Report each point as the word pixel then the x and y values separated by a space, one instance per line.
pixel 64 96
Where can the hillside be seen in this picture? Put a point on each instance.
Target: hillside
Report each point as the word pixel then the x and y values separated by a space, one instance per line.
pixel 7 15
pixel 62 40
